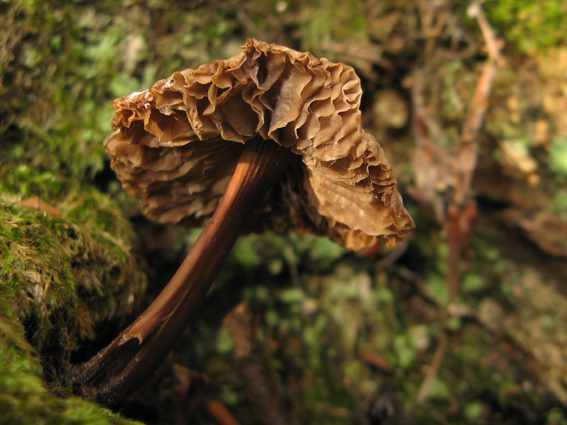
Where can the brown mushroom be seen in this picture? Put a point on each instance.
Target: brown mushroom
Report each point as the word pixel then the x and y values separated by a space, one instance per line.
pixel 274 135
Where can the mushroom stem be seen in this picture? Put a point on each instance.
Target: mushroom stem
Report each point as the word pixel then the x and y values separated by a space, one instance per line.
pixel 130 359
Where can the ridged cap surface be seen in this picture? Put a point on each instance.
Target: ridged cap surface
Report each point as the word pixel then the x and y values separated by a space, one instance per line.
pixel 176 145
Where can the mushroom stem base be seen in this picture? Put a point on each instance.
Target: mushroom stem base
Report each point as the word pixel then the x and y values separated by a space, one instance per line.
pixel 131 358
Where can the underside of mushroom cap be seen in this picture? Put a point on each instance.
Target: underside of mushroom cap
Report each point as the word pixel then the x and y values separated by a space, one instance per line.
pixel 176 145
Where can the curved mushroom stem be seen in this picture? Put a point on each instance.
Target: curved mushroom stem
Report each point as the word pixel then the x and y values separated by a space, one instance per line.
pixel 131 358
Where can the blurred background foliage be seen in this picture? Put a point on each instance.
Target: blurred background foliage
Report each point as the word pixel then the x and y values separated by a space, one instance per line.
pixel 373 337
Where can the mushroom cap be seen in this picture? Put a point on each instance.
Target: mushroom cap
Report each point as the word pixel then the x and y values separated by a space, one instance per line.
pixel 176 145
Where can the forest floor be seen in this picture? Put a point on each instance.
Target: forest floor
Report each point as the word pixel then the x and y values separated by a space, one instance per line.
pixel 464 323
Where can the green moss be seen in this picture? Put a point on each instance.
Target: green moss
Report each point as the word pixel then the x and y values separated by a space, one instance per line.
pixel 62 65
pixel 335 20
pixel 63 280
pixel 529 24
pixel 23 397
pixel 558 157
pixel 81 204
pixel 559 204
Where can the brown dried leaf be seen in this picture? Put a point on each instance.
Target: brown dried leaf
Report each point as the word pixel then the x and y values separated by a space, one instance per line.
pixel 37 204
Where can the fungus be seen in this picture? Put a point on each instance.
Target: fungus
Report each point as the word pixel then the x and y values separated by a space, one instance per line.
pixel 273 137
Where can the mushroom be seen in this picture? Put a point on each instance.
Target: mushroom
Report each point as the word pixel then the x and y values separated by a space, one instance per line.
pixel 268 139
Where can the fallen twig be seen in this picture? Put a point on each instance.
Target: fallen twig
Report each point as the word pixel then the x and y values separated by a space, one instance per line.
pixel 435 365
pixel 220 413
pixel 462 209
